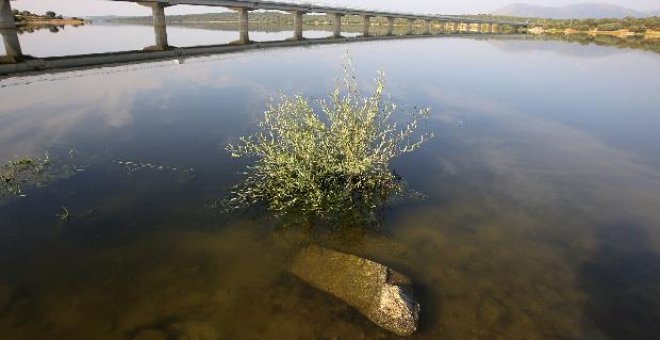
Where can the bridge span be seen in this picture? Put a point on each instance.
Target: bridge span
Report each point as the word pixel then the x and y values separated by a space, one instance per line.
pixel 431 24
pixel 243 8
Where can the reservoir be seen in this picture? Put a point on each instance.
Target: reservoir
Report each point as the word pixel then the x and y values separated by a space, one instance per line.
pixel 538 215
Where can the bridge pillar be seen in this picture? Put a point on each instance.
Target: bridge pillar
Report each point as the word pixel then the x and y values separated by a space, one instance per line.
pixel 365 25
pixel 159 22
pixel 6 15
pixel 336 25
pixel 477 27
pixel 489 28
pixel 298 25
pixel 410 30
pixel 390 26
pixel 243 25
pixel 13 53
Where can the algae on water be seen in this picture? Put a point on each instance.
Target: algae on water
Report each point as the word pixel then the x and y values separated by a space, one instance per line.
pixel 20 172
pixel 17 175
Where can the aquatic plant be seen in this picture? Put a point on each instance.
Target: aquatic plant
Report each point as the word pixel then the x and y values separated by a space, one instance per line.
pixel 326 156
pixel 29 172
pixel 65 215
pixel 19 171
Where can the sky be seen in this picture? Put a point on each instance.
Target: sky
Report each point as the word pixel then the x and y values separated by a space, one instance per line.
pixel 109 7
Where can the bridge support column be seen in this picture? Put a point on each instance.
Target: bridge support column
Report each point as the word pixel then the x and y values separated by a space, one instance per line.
pixel 6 15
pixel 489 28
pixel 366 22
pixel 159 22
pixel 336 25
pixel 243 25
pixel 13 53
pixel 160 27
pixel 298 25
pixel 390 26
pixel 477 27
pixel 411 22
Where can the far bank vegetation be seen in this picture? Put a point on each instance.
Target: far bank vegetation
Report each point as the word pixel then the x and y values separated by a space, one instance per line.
pixel 649 26
pixel 50 18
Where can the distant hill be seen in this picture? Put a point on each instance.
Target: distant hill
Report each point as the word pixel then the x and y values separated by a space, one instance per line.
pixel 576 11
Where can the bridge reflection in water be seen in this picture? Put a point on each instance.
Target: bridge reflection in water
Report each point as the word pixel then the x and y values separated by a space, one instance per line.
pixel 14 61
pixel 29 65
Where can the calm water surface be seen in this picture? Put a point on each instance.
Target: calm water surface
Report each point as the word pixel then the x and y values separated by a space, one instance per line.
pixel 541 220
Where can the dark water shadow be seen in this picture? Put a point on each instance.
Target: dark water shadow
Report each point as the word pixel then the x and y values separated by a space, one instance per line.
pixel 623 284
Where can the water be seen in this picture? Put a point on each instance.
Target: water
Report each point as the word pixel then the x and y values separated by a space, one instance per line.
pixel 541 220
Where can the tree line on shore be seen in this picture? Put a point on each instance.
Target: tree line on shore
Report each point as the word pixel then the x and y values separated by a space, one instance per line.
pixel 25 16
pixel 637 25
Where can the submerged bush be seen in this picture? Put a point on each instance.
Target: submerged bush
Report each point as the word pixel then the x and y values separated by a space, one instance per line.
pixel 326 161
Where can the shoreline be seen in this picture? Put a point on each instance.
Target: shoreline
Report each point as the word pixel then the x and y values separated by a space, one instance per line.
pixel 51 22
pixel 624 33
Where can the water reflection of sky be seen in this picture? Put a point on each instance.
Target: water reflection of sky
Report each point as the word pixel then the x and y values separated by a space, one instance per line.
pixel 609 99
pixel 543 181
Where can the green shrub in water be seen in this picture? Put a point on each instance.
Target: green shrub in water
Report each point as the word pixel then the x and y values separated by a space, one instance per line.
pixel 326 161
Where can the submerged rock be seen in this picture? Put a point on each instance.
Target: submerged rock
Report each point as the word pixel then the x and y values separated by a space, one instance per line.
pixel 380 293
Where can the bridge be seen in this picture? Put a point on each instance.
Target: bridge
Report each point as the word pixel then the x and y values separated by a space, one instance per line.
pixel 298 10
pixel 15 62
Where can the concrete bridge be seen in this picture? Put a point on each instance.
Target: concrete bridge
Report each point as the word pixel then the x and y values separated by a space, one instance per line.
pixel 336 13
pixel 442 23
